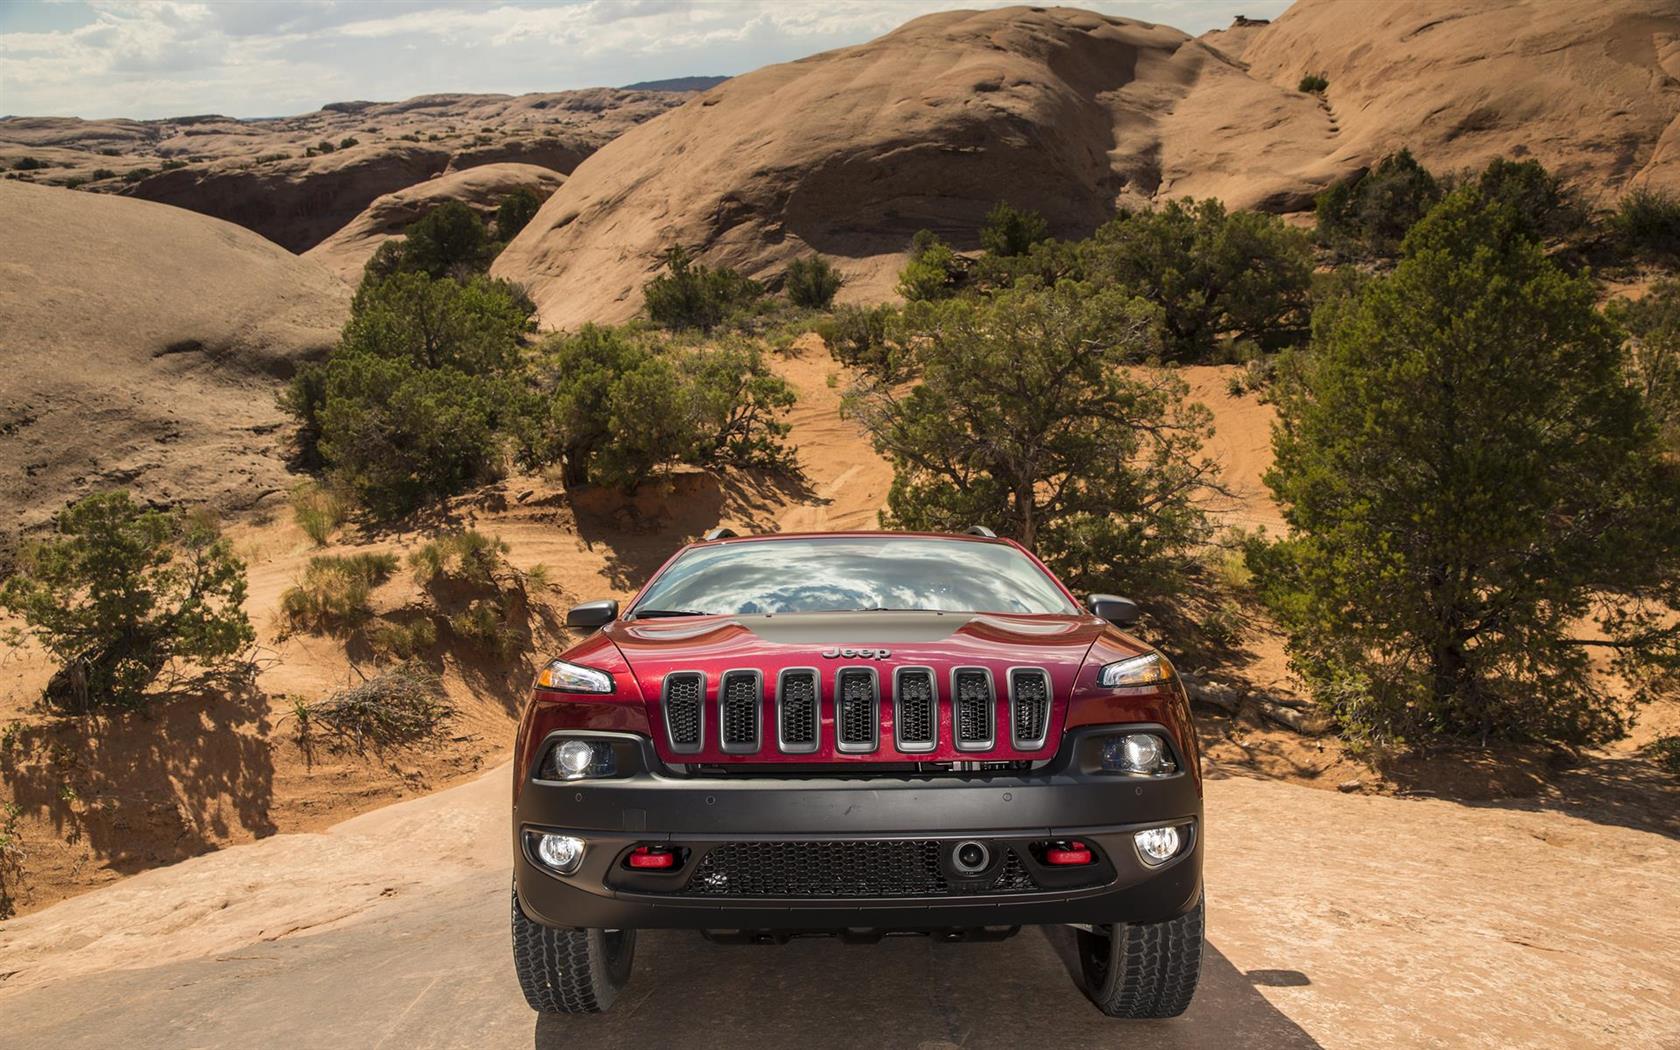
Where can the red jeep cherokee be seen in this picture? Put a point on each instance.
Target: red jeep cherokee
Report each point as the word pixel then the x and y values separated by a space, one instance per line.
pixel 859 733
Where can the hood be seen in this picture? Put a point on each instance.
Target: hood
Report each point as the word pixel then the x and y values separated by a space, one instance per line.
pixel 687 667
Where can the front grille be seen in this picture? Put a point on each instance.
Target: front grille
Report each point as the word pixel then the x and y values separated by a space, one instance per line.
pixel 971 708
pixel 796 704
pixel 915 711
pixel 684 702
pixel 1029 698
pixel 856 712
pixel 846 869
pixel 739 696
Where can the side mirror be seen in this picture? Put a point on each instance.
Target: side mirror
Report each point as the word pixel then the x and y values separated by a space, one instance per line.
pixel 1121 612
pixel 591 615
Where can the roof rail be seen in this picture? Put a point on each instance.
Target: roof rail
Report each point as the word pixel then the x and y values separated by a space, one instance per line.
pixel 722 532
pixel 980 530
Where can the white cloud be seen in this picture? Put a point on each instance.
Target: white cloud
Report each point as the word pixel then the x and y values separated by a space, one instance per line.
pixel 152 58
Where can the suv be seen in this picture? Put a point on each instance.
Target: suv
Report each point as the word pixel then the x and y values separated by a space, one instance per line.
pixel 860 734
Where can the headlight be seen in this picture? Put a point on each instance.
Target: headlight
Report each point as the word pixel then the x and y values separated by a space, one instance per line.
pixel 579 760
pixel 1140 754
pixel 572 678
pixel 1150 669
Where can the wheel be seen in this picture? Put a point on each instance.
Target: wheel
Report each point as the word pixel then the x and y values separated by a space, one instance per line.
pixel 570 971
pixel 1147 970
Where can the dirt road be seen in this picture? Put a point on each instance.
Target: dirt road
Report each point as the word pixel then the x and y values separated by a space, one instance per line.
pixel 1335 921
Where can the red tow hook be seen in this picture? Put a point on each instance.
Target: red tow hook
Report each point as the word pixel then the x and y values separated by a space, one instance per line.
pixel 1068 854
pixel 657 858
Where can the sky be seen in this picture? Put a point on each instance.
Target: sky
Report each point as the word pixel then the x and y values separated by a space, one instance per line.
pixel 253 58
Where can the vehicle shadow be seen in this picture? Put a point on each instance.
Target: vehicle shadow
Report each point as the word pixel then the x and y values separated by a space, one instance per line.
pixel 908 992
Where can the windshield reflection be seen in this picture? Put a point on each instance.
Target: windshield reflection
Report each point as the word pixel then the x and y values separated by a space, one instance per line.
pixel 840 575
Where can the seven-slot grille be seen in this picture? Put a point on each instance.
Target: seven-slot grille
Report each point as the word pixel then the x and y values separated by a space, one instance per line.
pixel 740 694
pixel 843 869
pixel 972 703
pixel 1029 706
pixel 796 710
pixel 857 709
pixel 741 700
pixel 915 709
pixel 685 703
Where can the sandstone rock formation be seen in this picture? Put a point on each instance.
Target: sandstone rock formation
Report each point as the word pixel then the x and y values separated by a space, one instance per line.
pixel 481 188
pixel 140 347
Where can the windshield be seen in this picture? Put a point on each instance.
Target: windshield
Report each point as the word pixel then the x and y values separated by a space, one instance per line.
pixel 852 575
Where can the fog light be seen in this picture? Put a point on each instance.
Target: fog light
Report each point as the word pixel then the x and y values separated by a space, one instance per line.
pixel 579 759
pixel 574 758
pixel 1157 845
pixel 563 853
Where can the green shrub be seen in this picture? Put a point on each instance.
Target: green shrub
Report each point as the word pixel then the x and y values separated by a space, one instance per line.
pixel 933 271
pixel 12 856
pixel 690 295
pixel 1539 199
pixel 110 151
pixel 100 174
pixel 323 146
pixel 1647 225
pixel 121 592
pixel 1665 750
pixel 813 282
pixel 483 624
pixel 136 174
pixel 1030 419
pixel 348 141
pixel 73 183
pixel 1313 84
pixel 1368 215
pixel 861 337
pixel 317 510
pixel 1468 476
pixel 1214 274
pixel 30 164
pixel 398 640
pixel 334 591
pixel 173 165
pixel 516 212
pixel 1653 327
pixel 736 402
pixel 266 158
pixel 1010 232
pixel 466 556
pixel 449 240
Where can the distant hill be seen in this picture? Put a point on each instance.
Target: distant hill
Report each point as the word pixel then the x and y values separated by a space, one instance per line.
pixel 1075 114
pixel 676 84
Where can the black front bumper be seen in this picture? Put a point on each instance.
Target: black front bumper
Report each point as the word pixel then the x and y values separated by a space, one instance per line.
pixel 1013 813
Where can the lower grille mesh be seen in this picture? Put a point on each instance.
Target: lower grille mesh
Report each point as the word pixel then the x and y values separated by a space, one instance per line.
pixel 683 698
pixel 850 869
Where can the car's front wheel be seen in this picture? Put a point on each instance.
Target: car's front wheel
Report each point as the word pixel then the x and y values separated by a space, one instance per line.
pixel 565 971
pixel 1146 970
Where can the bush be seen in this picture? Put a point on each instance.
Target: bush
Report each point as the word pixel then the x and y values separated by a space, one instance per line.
pixel 689 295
pixel 472 569
pixel 1653 326
pixel 1030 419
pixel 103 173
pixel 1313 84
pixel 347 142
pixel 323 146
pixel 173 165
pixel 812 282
pixel 1212 273
pixel 413 403
pixel 1647 225
pixel 317 510
pixel 468 557
pixel 1542 203
pixel 334 591
pixel 30 164
pixel 1665 751
pixel 516 212
pixel 12 856
pixel 399 640
pixel 1468 476
pixel 137 174
pixel 860 336
pixel 1368 215
pixel 121 592
pixel 619 406
pixel 932 272
pixel 449 240
pixel 401 706
pixel 1010 232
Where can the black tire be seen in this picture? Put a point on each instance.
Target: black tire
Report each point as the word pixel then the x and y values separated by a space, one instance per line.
pixel 563 971
pixel 1143 971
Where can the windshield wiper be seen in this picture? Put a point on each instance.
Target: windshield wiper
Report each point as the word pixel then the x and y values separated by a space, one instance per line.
pixel 651 614
pixel 888 608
